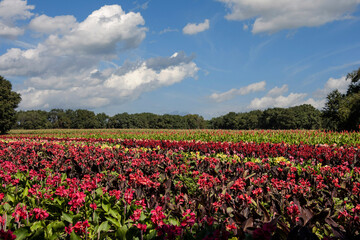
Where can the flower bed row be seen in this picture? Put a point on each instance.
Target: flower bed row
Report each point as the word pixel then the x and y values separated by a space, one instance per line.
pixel 311 137
pixel 147 189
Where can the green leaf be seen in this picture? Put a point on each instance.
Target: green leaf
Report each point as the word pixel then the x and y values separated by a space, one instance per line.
pixel 7 206
pixel 173 221
pixel 57 226
pixel 25 192
pixel 106 207
pixel 21 233
pixel 114 221
pixel 104 226
pixel 67 217
pixel 73 236
pixel 99 191
pixel 151 235
pixel 114 214
pixel 96 218
pixel 35 226
pixel 121 232
pixel 10 198
pixel 77 218
pixel 39 235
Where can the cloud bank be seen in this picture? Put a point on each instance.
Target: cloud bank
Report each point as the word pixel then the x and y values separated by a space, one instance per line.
pixel 254 87
pixel 64 70
pixel 10 12
pixel 273 16
pixel 276 96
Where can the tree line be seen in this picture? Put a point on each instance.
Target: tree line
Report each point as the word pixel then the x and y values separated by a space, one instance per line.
pixel 300 117
pixel 341 112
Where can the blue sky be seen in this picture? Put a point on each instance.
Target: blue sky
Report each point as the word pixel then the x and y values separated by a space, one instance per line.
pixel 207 57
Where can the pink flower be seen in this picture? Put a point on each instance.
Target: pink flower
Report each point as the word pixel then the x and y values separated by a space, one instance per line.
pixel 93 206
pixel 8 235
pixel 128 195
pixel 188 218
pixel 20 212
pixel 115 193
pixel 140 226
pixel 39 213
pixel 136 215
pixel 77 200
pixel 157 216
pixel 230 227
pixel 79 227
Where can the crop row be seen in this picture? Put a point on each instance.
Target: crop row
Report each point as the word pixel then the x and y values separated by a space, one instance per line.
pixel 274 136
pixel 151 189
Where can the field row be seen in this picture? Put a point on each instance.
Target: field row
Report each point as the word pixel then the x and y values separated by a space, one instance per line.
pixel 259 136
pixel 151 189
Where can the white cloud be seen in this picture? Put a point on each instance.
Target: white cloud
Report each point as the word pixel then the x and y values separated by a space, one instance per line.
pixel 276 91
pixel 193 28
pixel 275 98
pixel 94 88
pixel 101 32
pixel 255 87
pixel 273 16
pixel 10 12
pixel 15 9
pixel 97 38
pixel 10 32
pixel 63 70
pixel 58 24
pixel 340 84
pixel 293 99
pixel 166 30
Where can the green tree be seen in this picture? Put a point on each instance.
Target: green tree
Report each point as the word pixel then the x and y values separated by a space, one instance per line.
pixel 354 86
pixel 331 115
pixel 194 121
pixel 83 119
pixel 102 119
pixel 306 117
pixel 33 119
pixel 59 119
pixel 349 112
pixel 9 101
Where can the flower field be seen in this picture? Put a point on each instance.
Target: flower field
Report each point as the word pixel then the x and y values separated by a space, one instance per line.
pixel 192 185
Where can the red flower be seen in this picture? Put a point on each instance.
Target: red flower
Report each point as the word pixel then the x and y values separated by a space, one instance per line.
pixel 8 235
pixel 157 216
pixel 141 226
pixel 230 227
pixel 20 212
pixel 136 215
pixel 93 206
pixel 39 213
pixel 188 218
pixel 128 195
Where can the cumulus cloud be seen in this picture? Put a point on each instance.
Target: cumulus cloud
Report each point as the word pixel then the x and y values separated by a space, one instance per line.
pixel 254 87
pixel 97 88
pixel 273 16
pixel 97 38
pixel 275 97
pixel 10 12
pixel 277 91
pixel 49 25
pixel 63 70
pixel 340 84
pixel 293 99
pixel 193 28
pixel 103 30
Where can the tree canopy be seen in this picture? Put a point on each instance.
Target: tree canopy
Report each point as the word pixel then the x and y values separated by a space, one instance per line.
pixel 9 100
